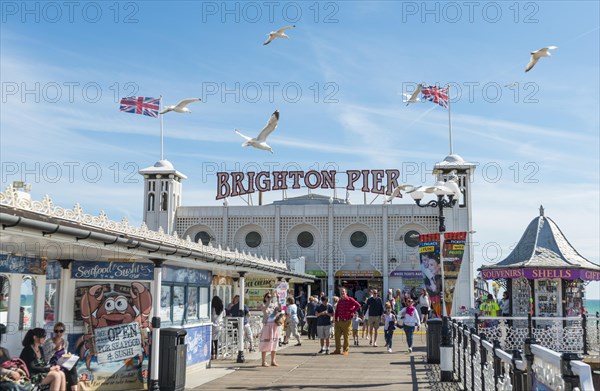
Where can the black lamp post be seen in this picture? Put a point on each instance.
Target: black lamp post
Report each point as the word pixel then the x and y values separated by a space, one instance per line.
pixel 446 193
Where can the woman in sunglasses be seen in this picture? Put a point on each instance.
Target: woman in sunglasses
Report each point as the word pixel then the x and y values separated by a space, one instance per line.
pixel 54 348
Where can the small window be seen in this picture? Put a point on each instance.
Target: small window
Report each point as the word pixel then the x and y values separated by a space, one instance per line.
pixel 27 307
pixel 178 303
pixel 192 304
pixel 165 303
pixel 411 238
pixel 202 236
pixel 50 303
pixel 358 239
pixel 253 239
pixel 305 239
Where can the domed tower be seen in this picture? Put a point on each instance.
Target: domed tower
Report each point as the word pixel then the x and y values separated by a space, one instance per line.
pixel 162 195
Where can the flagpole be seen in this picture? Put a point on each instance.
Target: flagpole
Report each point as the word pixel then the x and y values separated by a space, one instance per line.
pixel 161 127
pixel 449 120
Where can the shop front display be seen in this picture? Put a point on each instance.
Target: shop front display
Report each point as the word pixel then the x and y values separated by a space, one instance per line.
pixel 112 304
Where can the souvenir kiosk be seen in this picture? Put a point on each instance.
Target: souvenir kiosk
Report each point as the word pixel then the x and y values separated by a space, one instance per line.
pixel 544 275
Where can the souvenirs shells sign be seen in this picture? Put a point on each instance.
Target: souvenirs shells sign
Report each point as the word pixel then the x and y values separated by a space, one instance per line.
pixel 368 181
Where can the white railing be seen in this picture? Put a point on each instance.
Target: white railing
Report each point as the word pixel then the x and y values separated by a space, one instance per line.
pixel 228 339
pixel 482 366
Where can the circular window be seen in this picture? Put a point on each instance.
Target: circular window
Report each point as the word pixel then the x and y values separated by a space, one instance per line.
pixel 358 239
pixel 253 239
pixel 202 236
pixel 411 238
pixel 305 239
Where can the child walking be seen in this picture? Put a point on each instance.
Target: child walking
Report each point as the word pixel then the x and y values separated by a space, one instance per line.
pixel 355 326
pixel 389 320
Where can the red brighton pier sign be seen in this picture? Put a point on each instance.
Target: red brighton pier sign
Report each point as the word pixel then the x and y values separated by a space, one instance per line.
pixel 230 184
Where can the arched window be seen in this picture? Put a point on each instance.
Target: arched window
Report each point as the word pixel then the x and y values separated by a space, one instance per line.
pixel 27 303
pixel 164 201
pixel 151 202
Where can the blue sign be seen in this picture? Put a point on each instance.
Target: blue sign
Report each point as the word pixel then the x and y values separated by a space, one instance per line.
pixel 22 265
pixel 100 270
pixel 186 275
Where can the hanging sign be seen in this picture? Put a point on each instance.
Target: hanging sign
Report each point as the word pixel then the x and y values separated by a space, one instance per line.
pixel 454 249
pixel 429 251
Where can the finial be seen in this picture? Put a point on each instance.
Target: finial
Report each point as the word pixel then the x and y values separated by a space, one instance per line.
pixel 541 210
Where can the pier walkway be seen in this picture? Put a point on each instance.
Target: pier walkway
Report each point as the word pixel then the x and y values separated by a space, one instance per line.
pixel 301 368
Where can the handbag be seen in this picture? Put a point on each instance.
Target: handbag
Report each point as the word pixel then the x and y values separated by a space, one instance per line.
pixel 401 321
pixel 280 318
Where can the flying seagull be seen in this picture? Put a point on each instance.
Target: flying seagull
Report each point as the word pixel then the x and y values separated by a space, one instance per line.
pixel 260 142
pixel 181 106
pixel 414 97
pixel 396 192
pixel 277 34
pixel 535 56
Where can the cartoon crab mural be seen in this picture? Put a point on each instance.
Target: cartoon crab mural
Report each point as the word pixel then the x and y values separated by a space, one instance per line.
pixel 102 309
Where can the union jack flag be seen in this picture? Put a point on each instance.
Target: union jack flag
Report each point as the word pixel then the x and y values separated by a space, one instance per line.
pixel 141 105
pixel 436 94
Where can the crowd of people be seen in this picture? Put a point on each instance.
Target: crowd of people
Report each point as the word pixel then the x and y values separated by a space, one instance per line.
pixel 340 318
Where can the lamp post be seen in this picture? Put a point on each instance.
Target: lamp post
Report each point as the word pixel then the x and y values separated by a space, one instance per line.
pixel 447 194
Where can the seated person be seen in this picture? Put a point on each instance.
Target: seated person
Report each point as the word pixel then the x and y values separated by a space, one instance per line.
pixel 40 372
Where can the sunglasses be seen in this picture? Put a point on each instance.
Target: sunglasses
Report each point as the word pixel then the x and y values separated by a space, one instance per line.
pixel 59 331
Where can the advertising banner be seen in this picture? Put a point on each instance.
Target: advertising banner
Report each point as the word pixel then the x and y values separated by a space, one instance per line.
pixel 429 252
pixel 453 251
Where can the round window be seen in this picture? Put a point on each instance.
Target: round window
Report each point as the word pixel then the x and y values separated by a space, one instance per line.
pixel 203 237
pixel 305 239
pixel 411 238
pixel 358 239
pixel 253 239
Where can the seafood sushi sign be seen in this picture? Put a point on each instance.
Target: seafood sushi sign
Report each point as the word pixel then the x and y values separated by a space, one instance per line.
pixel 118 343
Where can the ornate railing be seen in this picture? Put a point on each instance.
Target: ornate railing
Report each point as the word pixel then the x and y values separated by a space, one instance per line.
pixel 481 365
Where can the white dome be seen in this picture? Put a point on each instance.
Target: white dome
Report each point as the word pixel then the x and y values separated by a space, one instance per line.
pixel 454 159
pixel 164 164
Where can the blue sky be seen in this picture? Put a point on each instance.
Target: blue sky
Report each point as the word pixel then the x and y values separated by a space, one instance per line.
pixel 338 84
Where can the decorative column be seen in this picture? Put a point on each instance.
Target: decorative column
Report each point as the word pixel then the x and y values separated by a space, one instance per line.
pixel 385 271
pixel 64 279
pixel 242 289
pixel 153 384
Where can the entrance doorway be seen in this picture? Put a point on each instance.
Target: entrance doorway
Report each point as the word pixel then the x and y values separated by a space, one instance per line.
pixel 359 288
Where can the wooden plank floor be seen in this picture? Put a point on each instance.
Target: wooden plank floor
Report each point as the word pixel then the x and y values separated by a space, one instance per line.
pixel 365 368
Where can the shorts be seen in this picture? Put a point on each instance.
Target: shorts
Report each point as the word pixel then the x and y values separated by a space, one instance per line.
pixel 424 310
pixel 374 321
pixel 323 332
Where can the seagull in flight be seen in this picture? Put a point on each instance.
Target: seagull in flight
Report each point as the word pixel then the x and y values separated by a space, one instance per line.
pixel 260 141
pixel 278 34
pixel 181 106
pixel 535 56
pixel 396 192
pixel 414 97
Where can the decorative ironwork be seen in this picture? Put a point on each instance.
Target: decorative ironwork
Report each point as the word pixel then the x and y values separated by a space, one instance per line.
pixel 12 198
